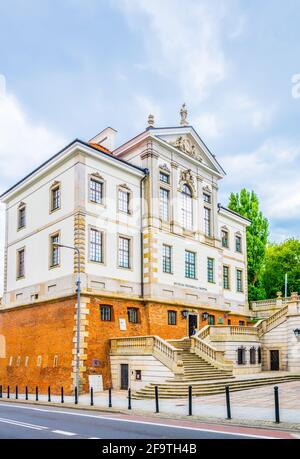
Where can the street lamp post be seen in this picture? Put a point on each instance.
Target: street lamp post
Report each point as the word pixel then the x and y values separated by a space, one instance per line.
pixel 78 283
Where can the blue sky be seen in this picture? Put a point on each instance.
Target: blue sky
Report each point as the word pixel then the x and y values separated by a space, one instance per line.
pixel 73 67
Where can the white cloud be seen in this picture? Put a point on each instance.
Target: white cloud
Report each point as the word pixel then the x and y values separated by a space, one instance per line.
pixel 184 40
pixel 23 146
pixel 253 111
pixel 272 171
pixel 209 125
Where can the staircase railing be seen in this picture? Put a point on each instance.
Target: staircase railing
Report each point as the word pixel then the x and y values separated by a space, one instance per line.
pixel 271 322
pixel 210 354
pixel 149 345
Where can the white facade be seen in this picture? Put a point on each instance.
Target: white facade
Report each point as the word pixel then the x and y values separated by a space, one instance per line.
pixel 169 159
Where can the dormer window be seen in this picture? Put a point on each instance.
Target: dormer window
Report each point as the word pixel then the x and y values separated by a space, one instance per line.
pixel 22 216
pixel 164 177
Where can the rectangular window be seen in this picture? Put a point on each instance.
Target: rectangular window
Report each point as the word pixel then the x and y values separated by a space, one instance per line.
pixel 224 236
pixel 211 320
pixel 22 217
pixel 55 198
pixel 190 264
pixel 241 356
pixel 96 246
pixel 207 197
pixel 239 280
pixel 164 204
pixel 39 361
pixel 123 201
pixel 210 270
pixel 241 323
pixel 167 259
pixel 172 317
pixel 133 315
pixel 124 247
pixel 55 361
pixel 238 244
pixel 207 221
pixel 164 177
pixel 26 361
pixel 54 261
pixel 96 191
pixel 21 263
pixel 105 312
pixel 226 277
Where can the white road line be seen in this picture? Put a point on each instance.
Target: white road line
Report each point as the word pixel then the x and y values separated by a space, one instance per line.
pixel 199 429
pixel 63 432
pixel 21 424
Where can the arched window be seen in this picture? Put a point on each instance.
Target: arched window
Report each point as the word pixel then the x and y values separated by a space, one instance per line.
pixel 252 356
pixel 186 207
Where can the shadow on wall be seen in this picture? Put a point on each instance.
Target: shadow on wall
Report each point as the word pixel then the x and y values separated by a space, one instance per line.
pixel 2 347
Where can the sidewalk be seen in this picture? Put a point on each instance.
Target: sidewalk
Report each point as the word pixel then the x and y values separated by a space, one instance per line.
pixel 249 405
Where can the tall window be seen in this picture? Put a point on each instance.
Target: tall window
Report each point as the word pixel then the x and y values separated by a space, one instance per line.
pixel 21 263
pixel 123 201
pixel 55 198
pixel 163 177
pixel 226 277
pixel 96 191
pixel 54 250
pixel 167 258
pixel 210 270
pixel 21 217
pixel 238 243
pixel 172 317
pixel 105 312
pixel 133 315
pixel 164 204
pixel 190 264
pixel 252 356
pixel 186 208
pixel 224 237
pixel 241 356
pixel 96 246
pixel 124 248
pixel 239 280
pixel 207 198
pixel 211 320
pixel 259 355
pixel 207 221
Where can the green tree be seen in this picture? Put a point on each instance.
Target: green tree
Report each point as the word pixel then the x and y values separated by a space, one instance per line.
pixel 281 259
pixel 246 203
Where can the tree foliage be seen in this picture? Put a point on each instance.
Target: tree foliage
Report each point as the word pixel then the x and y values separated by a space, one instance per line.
pixel 246 204
pixel 281 259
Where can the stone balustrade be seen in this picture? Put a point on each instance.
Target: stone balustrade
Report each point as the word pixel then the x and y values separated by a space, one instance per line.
pixel 167 354
pixel 209 353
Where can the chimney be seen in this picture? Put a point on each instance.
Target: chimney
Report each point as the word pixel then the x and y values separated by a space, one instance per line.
pixel 105 138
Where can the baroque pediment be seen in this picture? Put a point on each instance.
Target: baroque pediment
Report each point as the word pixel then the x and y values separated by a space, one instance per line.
pixel 184 144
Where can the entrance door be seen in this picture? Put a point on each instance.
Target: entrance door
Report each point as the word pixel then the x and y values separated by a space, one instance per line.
pixel 124 376
pixel 193 322
pixel 274 358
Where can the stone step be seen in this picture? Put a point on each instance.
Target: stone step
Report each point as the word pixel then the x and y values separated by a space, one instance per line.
pixel 175 390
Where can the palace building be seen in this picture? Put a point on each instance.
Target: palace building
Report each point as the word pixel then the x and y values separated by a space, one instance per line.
pixel 159 259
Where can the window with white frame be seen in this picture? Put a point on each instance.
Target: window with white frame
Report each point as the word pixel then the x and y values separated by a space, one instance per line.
pixel 226 281
pixel 55 198
pixel 164 204
pixel 225 238
pixel 96 245
pixel 207 221
pixel 21 217
pixel 210 270
pixel 124 252
pixel 207 198
pixel 54 250
pixel 186 207
pixel 20 263
pixel 123 201
pixel 167 258
pixel 164 177
pixel 238 243
pixel 133 315
pixel 190 264
pixel 239 280
pixel 96 191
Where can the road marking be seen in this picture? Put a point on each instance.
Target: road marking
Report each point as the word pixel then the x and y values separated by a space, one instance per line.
pixel 94 438
pixel 63 432
pixel 22 424
pixel 199 429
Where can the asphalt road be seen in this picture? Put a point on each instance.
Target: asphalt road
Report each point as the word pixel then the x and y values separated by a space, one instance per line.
pixel 19 421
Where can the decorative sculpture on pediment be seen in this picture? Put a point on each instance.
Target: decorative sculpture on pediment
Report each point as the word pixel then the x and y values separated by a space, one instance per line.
pixel 186 177
pixel 184 144
pixel 125 186
pixel 164 167
pixel 97 175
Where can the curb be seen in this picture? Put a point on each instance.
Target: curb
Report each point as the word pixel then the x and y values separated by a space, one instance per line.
pixel 283 426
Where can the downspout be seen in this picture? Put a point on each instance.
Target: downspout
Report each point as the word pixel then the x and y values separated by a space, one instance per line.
pixel 142 234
